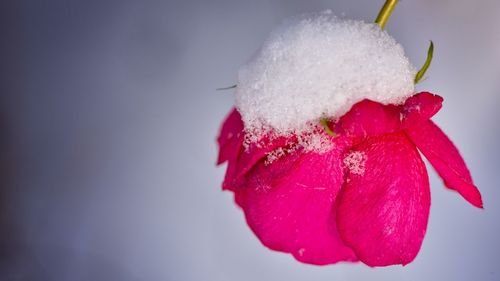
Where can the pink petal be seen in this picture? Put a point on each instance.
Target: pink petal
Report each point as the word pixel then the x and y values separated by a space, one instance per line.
pixel 368 118
pixel 230 137
pixel 248 157
pixel 420 108
pixel 231 181
pixel 446 159
pixel 230 142
pixel 289 205
pixel 383 207
pixel 256 151
pixel 242 159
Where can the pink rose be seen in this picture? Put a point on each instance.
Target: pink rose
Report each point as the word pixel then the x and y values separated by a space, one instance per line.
pixel 366 199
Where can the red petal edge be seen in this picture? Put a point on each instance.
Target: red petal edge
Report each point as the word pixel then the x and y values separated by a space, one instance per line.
pixel 420 108
pixel 241 160
pixel 230 137
pixel 446 159
pixel 383 207
pixel 230 142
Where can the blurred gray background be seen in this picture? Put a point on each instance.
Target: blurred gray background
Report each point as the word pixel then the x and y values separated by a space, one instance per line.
pixel 108 119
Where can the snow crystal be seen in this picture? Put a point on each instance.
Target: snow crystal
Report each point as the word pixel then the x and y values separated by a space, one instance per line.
pixel 355 162
pixel 275 155
pixel 310 142
pixel 318 66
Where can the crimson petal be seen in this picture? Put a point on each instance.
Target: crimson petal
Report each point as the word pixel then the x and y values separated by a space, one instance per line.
pixel 230 142
pixel 368 118
pixel 241 159
pixel 383 207
pixel 289 203
pixel 446 159
pixel 256 151
pixel 230 137
pixel 420 108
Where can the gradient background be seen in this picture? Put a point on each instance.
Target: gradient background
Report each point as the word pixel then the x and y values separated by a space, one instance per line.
pixel 108 119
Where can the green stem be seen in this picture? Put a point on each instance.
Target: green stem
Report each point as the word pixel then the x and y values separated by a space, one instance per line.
pixel 385 13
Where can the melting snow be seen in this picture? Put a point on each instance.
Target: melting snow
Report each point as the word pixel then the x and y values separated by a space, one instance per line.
pixel 355 162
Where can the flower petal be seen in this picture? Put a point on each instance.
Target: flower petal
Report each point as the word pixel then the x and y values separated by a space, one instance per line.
pixel 256 151
pixel 230 137
pixel 420 108
pixel 230 142
pixel 289 205
pixel 383 207
pixel 368 118
pixel 241 159
pixel 446 159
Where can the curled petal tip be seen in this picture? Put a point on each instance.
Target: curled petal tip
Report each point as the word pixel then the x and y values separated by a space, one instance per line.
pixel 446 160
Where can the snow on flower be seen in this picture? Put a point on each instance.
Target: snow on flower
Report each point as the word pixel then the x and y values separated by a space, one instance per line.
pixel 361 194
pixel 319 65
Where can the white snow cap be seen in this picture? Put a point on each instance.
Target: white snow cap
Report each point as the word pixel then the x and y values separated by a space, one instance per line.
pixel 318 66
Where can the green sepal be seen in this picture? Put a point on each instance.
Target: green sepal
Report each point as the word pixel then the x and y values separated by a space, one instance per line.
pixel 421 72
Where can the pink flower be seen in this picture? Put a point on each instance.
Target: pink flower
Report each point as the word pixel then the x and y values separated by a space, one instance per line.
pixel 367 199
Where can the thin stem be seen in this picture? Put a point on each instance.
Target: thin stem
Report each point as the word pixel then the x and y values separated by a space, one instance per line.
pixel 385 13
pixel 226 88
